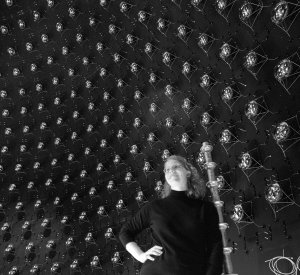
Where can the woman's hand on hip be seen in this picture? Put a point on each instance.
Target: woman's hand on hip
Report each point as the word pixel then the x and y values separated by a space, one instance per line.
pixel 153 251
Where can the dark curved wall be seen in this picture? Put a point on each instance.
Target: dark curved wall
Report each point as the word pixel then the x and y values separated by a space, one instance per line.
pixel 261 237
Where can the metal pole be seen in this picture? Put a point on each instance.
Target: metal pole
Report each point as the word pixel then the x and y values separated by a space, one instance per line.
pixel 213 185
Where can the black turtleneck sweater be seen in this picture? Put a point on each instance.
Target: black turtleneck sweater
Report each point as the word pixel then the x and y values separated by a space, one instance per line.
pixel 188 231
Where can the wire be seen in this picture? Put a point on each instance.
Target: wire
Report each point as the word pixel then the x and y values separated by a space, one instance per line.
pixel 274 266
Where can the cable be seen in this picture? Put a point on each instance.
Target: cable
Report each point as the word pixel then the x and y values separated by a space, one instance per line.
pixel 274 266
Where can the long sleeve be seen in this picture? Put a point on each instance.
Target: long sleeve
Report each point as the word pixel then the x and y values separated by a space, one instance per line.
pixel 215 257
pixel 135 225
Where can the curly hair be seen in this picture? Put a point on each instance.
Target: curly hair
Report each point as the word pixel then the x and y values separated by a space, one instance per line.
pixel 195 185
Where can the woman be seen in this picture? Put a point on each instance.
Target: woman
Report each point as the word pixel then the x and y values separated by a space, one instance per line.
pixel 184 227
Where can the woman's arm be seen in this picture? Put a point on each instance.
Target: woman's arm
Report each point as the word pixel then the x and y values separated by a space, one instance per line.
pixel 135 225
pixel 215 256
pixel 131 229
pixel 140 255
pixel 134 250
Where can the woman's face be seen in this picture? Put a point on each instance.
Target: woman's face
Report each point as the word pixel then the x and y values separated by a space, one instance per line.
pixel 176 175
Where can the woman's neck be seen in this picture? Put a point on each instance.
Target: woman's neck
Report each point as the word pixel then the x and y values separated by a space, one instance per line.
pixel 178 194
pixel 178 188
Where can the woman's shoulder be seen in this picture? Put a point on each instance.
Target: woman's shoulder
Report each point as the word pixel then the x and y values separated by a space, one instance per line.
pixel 209 208
pixel 208 204
pixel 151 203
pixel 157 203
